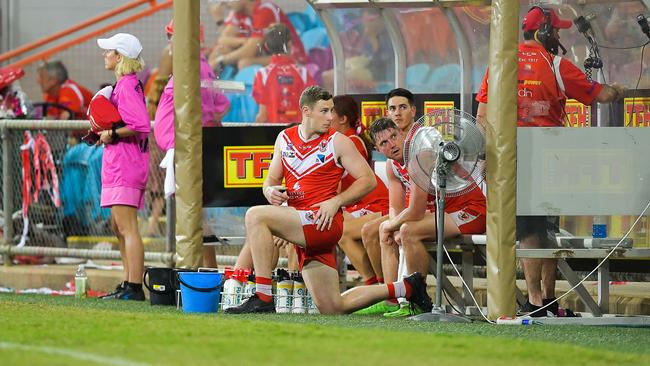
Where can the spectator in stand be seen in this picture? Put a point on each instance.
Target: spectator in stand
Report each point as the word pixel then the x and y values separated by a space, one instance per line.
pixel 241 42
pixel 277 86
pixel 214 106
pixel 58 89
pixel 125 163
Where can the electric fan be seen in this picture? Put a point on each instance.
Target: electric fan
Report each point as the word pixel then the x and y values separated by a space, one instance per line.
pixel 444 155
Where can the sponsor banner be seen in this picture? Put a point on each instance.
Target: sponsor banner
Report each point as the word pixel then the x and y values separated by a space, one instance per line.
pixel 371 110
pixel 577 114
pixel 637 112
pixel 246 166
pixel 434 105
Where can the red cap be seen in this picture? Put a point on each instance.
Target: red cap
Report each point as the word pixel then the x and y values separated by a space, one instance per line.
pixel 9 74
pixel 169 28
pixel 103 114
pixel 535 19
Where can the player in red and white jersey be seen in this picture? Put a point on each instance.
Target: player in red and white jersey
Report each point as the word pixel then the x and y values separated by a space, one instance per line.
pixel 311 159
pixel 415 223
pixel 345 119
pixel 278 85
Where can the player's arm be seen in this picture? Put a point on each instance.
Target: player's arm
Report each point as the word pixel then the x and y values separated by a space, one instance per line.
pixel 364 182
pixel 274 178
pixel 481 114
pixel 610 93
pixel 357 167
pixel 396 194
pixel 248 49
pixel 414 212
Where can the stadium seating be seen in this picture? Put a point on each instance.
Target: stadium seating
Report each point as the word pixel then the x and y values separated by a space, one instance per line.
pixel 445 79
pixel 243 107
pixel 300 21
pixel 316 37
pixel 418 77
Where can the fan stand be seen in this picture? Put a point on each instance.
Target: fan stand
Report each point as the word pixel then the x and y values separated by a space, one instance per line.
pixel 438 312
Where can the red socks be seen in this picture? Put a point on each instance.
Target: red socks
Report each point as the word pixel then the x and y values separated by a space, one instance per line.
pixel 264 288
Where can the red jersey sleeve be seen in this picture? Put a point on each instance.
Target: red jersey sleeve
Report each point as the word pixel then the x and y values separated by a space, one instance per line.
pixel 576 84
pixel 262 18
pixel 482 96
pixel 358 143
pixel 258 89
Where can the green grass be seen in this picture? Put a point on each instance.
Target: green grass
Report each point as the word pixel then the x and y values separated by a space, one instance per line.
pixel 43 330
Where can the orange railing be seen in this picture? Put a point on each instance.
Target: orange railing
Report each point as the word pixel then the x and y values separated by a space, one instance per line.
pixel 154 6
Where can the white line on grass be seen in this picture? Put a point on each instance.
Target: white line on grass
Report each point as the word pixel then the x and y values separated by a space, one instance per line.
pixel 72 354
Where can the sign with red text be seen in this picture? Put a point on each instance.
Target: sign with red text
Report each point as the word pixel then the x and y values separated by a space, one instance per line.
pixel 637 112
pixel 246 166
pixel 372 110
pixel 434 105
pixel 577 114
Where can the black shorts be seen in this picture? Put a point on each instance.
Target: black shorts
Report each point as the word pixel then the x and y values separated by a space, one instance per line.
pixel 544 227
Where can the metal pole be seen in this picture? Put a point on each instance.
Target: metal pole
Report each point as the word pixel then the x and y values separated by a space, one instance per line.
pixel 7 187
pixel 440 232
pixel 170 243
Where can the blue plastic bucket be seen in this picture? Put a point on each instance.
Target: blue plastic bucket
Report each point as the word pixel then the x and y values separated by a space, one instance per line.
pixel 200 291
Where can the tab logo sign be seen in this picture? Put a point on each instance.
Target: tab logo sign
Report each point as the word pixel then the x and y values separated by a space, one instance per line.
pixel 433 105
pixel 246 166
pixel 637 112
pixel 372 110
pixel 577 114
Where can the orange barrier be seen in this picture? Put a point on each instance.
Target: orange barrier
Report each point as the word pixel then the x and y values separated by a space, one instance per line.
pixel 154 7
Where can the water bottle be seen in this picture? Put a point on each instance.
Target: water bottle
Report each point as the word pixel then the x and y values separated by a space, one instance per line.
pixel 504 320
pixel 299 292
pixel 80 283
pixel 599 227
pixel 283 291
pixel 232 292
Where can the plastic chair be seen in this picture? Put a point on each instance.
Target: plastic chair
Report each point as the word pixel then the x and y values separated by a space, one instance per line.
pixel 313 38
pixel 300 21
pixel 417 78
pixel 445 79
pixel 243 107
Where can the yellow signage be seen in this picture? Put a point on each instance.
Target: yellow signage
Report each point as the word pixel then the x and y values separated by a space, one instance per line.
pixel 637 112
pixel 577 114
pixel 372 110
pixel 431 105
pixel 246 166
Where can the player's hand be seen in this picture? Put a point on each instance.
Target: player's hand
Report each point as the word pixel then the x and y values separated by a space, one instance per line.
pixel 279 242
pixel 326 212
pixel 398 237
pixel 386 236
pixel 620 90
pixel 275 196
pixel 105 138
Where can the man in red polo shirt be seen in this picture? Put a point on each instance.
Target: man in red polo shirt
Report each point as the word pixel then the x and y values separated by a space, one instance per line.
pixel 277 87
pixel 545 81
pixel 59 89
pixel 243 35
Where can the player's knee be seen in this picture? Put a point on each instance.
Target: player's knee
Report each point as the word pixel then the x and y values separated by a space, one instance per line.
pixel 408 233
pixel 369 234
pixel 254 216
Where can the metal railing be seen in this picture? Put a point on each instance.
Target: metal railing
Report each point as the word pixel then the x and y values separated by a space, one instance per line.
pixel 78 227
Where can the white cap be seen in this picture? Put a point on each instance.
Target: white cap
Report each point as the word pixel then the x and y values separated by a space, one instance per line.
pixel 124 43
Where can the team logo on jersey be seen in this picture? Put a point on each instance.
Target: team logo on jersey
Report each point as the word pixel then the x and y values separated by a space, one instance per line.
pixel 320 158
pixel 463 217
pixel 296 186
pixel 309 216
pixel 323 146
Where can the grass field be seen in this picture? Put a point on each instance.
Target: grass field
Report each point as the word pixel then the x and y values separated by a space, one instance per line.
pixel 45 330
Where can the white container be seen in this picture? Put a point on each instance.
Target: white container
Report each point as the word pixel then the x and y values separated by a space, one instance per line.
pixel 81 283
pixel 283 292
pixel 232 293
pixel 299 303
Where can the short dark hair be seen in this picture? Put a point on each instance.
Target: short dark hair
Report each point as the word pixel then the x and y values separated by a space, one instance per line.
pixel 276 38
pixel 312 94
pixel 345 105
pixel 379 125
pixel 401 92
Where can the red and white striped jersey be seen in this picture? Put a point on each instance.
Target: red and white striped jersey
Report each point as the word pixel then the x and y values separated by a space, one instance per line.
pixel 402 174
pixel 311 170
